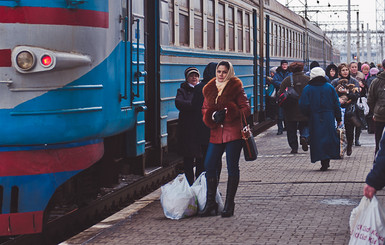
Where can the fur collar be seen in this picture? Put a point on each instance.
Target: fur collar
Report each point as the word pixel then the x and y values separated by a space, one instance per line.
pixel 230 92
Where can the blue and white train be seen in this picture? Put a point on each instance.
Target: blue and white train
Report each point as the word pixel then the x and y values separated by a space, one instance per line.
pixel 74 73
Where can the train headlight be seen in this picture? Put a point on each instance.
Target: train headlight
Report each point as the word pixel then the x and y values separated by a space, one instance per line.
pixel 25 60
pixel 46 60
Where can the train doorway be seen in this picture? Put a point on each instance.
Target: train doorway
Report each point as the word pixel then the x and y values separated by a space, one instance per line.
pixel 154 156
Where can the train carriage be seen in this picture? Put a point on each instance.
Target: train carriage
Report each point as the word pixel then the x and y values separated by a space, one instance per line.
pixel 84 82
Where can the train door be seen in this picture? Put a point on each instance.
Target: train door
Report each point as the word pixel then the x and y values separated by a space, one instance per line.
pixel 154 156
pixel 133 21
pixel 259 63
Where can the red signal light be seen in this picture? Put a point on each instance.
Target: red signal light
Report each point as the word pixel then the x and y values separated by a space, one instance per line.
pixel 46 60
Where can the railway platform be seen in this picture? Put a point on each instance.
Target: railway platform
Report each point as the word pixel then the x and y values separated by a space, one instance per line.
pixel 282 199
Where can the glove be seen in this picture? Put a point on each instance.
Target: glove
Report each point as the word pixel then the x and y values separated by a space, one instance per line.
pixel 219 116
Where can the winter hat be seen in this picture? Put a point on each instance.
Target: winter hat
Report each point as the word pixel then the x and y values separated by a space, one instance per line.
pixel 373 71
pixel 284 61
pixel 364 65
pixel 317 72
pixel 191 70
pixel 314 64
pixel 273 69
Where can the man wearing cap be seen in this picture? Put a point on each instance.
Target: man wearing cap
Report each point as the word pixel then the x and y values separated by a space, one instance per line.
pixel 376 103
pixel 319 102
pixel 188 130
pixel 280 74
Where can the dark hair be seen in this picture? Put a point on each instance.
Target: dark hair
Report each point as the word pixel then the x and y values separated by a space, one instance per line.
pixel 314 64
pixel 296 67
pixel 224 63
pixel 342 65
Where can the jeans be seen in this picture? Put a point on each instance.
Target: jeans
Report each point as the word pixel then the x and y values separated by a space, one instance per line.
pixel 214 154
pixel 292 127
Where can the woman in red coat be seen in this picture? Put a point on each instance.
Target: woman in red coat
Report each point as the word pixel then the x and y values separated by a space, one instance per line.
pixel 224 102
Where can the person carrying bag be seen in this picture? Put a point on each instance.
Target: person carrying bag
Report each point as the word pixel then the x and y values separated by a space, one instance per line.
pixel 289 96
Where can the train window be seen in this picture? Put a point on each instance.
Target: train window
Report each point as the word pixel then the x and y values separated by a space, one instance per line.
pixel 183 3
pixel 230 17
pixel 221 25
pixel 210 8
pixel 291 43
pixel 240 30
pixel 198 24
pixel 247 32
pixel 210 25
pixel 170 22
pixel 283 42
pixel 279 41
pixel 14 199
pixel 287 43
pixel 184 25
pixel 276 40
pixel 198 5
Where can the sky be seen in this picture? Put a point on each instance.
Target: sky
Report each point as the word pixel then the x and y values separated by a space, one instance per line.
pixel 327 21
pixel 367 11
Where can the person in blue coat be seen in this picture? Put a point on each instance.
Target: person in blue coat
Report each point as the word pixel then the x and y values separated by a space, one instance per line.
pixel 376 177
pixel 319 102
pixel 280 74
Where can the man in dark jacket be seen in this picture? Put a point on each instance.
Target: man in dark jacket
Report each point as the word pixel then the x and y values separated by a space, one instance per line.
pixel 376 103
pixel 376 178
pixel 280 74
pixel 293 117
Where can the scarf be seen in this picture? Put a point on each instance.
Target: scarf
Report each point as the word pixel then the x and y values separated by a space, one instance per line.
pixel 221 85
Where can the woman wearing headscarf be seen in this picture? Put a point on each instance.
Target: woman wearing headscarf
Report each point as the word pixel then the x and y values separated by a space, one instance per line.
pixel 224 102
pixel 351 125
pixel 320 103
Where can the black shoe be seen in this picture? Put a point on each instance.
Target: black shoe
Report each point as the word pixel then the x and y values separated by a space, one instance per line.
pixel 294 151
pixel 349 151
pixel 211 207
pixel 357 143
pixel 303 142
pixel 325 164
pixel 279 133
pixel 232 185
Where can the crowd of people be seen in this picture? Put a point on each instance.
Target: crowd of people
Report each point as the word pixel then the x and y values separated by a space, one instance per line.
pixel 211 112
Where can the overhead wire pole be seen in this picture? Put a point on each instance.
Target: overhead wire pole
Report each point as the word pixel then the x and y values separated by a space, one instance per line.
pixel 380 8
pixel 358 36
pixel 348 51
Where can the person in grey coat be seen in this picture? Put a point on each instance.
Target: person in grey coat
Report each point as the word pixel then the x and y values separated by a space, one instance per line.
pixel 319 102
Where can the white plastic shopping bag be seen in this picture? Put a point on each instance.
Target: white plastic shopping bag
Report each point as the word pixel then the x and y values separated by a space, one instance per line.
pixel 177 199
pixel 200 189
pixel 367 223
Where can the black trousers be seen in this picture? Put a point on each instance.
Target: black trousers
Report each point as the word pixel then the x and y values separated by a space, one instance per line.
pixel 379 128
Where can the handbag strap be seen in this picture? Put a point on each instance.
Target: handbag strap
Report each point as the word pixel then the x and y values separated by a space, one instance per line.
pixel 243 119
pixel 291 81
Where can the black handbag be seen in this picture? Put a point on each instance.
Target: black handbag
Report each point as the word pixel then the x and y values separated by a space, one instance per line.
pixel 289 96
pixel 248 143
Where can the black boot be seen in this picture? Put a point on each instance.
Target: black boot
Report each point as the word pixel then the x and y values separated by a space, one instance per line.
pixel 357 140
pixel 325 164
pixel 211 204
pixel 232 185
pixel 349 149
